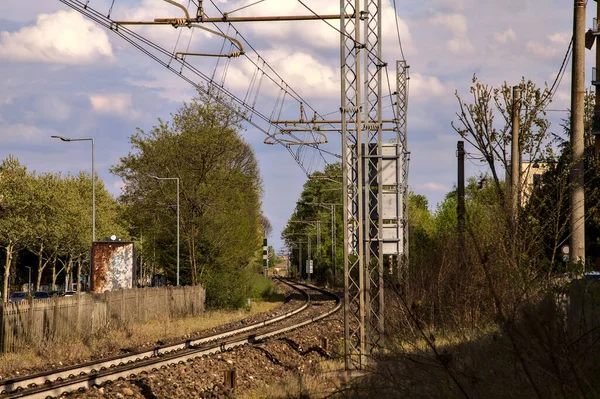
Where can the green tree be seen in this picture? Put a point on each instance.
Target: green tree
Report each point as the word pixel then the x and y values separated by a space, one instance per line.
pixel 318 196
pixel 47 229
pixel 476 124
pixel 16 217
pixel 220 191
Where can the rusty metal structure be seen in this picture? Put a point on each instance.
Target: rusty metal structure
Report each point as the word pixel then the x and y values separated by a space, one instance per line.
pixel 113 266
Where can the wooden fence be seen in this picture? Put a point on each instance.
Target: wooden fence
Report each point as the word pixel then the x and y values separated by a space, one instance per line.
pixel 60 318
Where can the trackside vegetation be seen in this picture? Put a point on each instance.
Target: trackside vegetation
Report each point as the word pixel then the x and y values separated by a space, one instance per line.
pixel 505 315
pixel 220 199
pixel 45 218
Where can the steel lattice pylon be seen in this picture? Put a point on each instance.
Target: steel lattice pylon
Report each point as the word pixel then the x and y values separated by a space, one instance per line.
pixel 402 139
pixel 373 222
pixel 354 299
pixel 362 186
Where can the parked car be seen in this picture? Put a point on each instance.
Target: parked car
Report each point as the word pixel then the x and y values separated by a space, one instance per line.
pixel 41 295
pixel 70 293
pixel 55 293
pixel 17 296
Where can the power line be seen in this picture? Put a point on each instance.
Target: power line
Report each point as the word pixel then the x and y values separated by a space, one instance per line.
pixel 368 50
pixel 154 51
pixel 398 30
pixel 241 8
pixel 556 84
pixel 298 97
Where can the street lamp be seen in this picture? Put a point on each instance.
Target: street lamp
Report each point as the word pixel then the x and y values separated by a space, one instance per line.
pixel 29 283
pixel 93 182
pixel 177 179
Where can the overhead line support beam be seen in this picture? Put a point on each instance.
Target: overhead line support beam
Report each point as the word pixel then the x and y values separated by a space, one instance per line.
pixel 325 122
pixel 225 18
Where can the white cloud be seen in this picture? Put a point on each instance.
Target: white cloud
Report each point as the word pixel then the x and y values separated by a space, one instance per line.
pixel 306 74
pixel 167 85
pixel 425 87
pixel 53 108
pixel 560 38
pixel 452 5
pixel 119 104
pixel 20 133
pixel 456 24
pixel 539 50
pixel 508 35
pixel 434 187
pixel 65 37
pixel 558 43
pixel 460 45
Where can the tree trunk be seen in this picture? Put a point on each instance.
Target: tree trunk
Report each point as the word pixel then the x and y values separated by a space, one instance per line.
pixel 194 262
pixel 79 274
pixel 68 269
pixel 56 274
pixel 41 266
pixel 9 255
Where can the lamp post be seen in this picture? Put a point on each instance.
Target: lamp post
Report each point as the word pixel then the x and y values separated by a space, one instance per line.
pixel 93 181
pixel 29 283
pixel 177 179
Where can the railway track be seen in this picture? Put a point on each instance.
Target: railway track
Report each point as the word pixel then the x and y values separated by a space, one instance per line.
pixel 84 376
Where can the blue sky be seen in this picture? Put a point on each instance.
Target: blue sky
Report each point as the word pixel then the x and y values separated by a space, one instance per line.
pixel 62 74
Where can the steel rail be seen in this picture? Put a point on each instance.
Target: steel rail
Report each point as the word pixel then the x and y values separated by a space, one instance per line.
pixel 89 381
pixel 98 377
pixel 23 382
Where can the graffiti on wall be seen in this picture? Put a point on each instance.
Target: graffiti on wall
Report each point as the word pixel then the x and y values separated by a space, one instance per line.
pixel 113 266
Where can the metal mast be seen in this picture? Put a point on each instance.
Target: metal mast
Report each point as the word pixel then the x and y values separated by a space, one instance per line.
pixel 362 183
pixel 354 293
pixel 373 221
pixel 402 78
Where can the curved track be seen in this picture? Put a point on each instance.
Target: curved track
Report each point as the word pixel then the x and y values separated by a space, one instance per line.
pixel 54 383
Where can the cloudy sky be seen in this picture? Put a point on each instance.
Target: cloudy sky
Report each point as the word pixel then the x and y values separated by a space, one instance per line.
pixel 62 74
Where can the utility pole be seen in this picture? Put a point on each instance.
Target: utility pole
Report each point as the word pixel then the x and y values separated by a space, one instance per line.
pixel 333 244
pixel 309 256
pixel 318 244
pixel 460 149
pixel 402 78
pixel 265 257
pixel 596 121
pixel 515 154
pixel 299 259
pixel 577 197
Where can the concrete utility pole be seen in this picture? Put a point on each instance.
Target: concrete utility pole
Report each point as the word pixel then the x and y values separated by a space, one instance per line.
pixel 577 198
pixel 595 131
pixel 460 149
pixel 299 259
pixel 515 154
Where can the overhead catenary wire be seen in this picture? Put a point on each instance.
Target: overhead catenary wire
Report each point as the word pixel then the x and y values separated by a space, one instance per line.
pixel 109 10
pixel 343 33
pixel 398 30
pixel 556 84
pixel 244 7
pixel 187 50
pixel 139 42
pixel 292 91
pixel 221 51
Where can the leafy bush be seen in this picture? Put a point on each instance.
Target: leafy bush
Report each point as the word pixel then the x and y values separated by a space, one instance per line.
pixel 261 287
